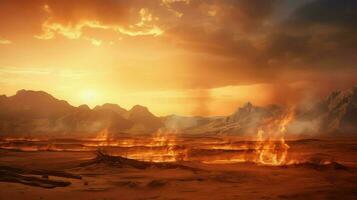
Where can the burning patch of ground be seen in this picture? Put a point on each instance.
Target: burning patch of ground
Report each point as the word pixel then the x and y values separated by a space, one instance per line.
pixel 112 175
pixel 122 162
pixel 146 150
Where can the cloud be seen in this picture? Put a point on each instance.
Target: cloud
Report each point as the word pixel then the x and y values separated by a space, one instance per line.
pixel 72 23
pixel 3 41
pixel 318 38
pixel 327 12
pixel 320 35
pixel 220 42
pixel 38 71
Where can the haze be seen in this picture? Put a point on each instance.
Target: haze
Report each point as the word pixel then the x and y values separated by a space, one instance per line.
pixel 188 57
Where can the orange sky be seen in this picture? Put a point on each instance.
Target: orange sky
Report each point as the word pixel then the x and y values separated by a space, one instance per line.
pixel 189 57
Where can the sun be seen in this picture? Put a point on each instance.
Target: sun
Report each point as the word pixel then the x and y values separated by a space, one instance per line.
pixel 89 96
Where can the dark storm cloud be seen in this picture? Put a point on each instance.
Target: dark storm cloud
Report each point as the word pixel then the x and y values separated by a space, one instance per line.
pixel 250 13
pixel 339 13
pixel 316 42
pixel 321 34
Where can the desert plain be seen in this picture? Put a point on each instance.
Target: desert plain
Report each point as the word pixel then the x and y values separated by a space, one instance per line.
pixel 176 168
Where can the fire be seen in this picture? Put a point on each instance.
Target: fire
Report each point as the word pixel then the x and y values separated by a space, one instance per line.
pixel 271 148
pixel 103 135
pixel 163 139
pixel 103 138
pixel 162 147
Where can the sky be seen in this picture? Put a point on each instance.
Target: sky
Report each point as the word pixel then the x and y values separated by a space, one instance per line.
pixel 186 57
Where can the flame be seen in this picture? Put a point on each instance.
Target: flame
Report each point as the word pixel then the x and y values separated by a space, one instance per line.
pixel 42 147
pixel 225 161
pixel 163 139
pixel 271 148
pixel 163 148
pixel 229 146
pixel 103 135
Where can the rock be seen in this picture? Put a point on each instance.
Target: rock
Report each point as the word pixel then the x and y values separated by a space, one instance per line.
pixel 156 183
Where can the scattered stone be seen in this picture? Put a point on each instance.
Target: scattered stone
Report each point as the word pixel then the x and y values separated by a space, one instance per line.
pixel 156 183
pixel 25 176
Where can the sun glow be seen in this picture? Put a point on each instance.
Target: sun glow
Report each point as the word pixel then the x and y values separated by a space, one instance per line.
pixel 89 96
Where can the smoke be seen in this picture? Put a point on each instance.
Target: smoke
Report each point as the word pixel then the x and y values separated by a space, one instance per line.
pixel 178 123
pixel 201 99
pixel 303 97
pixel 303 127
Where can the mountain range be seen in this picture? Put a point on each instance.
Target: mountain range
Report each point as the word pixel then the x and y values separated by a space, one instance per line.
pixel 39 113
pixel 32 113
pixel 334 115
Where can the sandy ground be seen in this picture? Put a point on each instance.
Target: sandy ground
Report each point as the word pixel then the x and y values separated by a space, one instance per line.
pixel 212 181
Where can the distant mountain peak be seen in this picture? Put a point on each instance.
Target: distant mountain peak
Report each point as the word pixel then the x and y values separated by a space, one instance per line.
pixel 248 105
pixel 142 115
pixel 246 108
pixel 139 108
pixel 113 107
pixel 84 107
pixel 340 111
pixel 32 93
